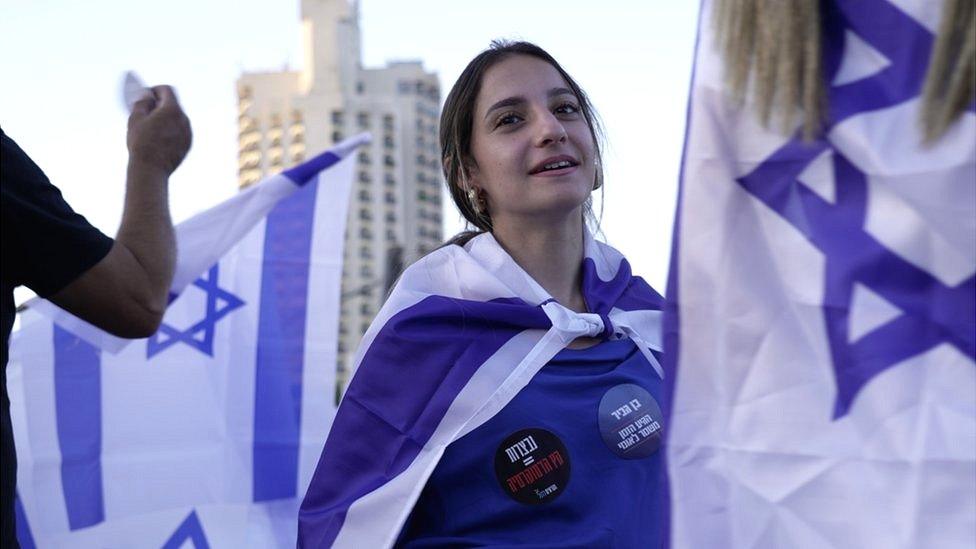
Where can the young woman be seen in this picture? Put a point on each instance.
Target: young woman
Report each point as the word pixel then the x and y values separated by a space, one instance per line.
pixel 506 394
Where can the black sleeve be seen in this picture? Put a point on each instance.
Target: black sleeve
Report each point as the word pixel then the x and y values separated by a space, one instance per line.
pixel 46 245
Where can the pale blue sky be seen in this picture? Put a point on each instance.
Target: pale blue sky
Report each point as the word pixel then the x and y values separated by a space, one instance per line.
pixel 63 62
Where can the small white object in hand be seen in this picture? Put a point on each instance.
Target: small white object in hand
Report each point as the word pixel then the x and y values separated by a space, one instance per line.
pixel 133 90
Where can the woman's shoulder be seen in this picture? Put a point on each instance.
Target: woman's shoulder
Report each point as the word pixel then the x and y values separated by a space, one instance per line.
pixel 436 272
pixel 474 271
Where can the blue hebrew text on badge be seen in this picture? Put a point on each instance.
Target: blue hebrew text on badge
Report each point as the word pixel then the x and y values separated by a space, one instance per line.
pixel 630 421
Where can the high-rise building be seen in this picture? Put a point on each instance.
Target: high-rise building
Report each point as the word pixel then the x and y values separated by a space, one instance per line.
pixel 395 209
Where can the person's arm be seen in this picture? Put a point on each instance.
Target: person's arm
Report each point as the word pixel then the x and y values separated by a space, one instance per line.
pixel 126 292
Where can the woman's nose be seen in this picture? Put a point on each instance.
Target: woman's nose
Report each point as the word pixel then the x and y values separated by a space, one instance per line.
pixel 550 130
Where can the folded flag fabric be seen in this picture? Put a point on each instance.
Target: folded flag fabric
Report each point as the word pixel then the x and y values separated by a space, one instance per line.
pixel 822 306
pixel 210 429
pixel 206 237
pixel 462 332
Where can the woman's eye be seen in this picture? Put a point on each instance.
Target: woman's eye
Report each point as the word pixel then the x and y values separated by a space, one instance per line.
pixel 567 108
pixel 508 119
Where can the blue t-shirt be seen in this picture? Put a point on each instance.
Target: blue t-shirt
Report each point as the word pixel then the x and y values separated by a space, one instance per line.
pixel 572 461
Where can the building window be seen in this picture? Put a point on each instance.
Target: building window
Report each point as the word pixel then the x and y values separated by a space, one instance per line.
pixel 421 195
pixel 249 141
pixel 389 179
pixel 390 235
pixel 365 214
pixel 390 217
pixel 388 160
pixel 364 195
pixel 365 310
pixel 245 123
pixel 388 141
pixel 365 271
pixel 337 118
pixel 364 158
pixel 365 233
pixel 243 106
pixel 336 137
pixel 362 119
pixel 249 177
pixel 365 252
pixel 388 122
pixel 249 160
pixel 364 177
pixel 389 198
pixel 403 87
pixel 364 327
pixel 360 87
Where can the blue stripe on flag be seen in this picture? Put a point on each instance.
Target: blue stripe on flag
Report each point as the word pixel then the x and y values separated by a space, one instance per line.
pixel 304 173
pixel 281 346
pixel 24 536
pixel 78 406
pixel 671 336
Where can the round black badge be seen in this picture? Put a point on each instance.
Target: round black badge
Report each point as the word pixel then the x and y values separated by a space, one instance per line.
pixel 631 422
pixel 532 466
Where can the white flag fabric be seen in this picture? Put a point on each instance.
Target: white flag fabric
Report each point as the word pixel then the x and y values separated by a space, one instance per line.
pixel 209 430
pixel 821 320
pixel 463 331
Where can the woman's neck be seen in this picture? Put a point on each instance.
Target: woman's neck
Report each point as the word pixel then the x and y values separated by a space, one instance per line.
pixel 550 252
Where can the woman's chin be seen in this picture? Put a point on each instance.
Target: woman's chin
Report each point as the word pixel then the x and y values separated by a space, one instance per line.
pixel 553 210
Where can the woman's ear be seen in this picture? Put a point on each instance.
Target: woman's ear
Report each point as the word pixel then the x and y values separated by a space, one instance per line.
pixel 472 174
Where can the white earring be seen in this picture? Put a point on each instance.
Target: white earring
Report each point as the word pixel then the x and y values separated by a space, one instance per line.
pixel 474 200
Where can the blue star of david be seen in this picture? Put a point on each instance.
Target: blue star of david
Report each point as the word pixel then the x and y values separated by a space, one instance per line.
pixel 200 336
pixel 189 530
pixel 933 313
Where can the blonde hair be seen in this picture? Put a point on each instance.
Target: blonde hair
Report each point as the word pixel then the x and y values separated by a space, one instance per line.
pixel 774 49
pixel 952 69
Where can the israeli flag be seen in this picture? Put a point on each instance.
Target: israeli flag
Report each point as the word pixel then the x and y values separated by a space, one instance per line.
pixel 209 430
pixel 822 330
pixel 463 331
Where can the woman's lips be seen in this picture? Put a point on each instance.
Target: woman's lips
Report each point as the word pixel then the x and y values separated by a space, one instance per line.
pixel 554 161
pixel 555 173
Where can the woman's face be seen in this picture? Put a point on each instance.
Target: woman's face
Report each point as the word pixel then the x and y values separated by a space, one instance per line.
pixel 532 148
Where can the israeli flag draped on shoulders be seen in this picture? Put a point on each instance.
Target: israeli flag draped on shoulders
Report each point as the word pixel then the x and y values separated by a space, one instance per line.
pixel 463 331
pixel 208 431
pixel 821 327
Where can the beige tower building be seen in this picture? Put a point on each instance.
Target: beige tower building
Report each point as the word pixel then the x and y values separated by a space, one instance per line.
pixel 395 209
